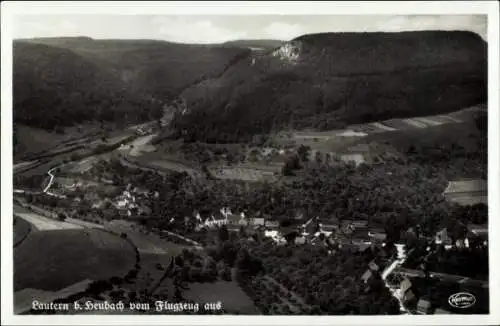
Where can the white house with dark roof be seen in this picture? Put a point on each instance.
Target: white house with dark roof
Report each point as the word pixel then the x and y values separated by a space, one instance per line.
pixel 467 192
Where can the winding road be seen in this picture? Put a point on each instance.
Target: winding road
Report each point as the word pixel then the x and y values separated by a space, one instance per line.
pixel 396 293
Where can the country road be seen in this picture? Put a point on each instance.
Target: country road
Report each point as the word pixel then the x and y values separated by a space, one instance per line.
pixel 166 166
pixel 51 178
pixel 396 293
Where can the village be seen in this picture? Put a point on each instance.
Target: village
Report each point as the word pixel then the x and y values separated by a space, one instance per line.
pixel 396 268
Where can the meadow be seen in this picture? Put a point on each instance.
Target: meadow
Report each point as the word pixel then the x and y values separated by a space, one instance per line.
pixel 52 260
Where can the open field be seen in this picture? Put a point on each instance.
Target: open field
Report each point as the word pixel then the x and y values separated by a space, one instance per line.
pixel 81 166
pixel 150 274
pixel 153 250
pixel 382 126
pixel 415 123
pixel 32 140
pixel 21 230
pixel 326 135
pixel 23 299
pixel 173 166
pixel 161 163
pixel 55 259
pixel 394 135
pixel 402 139
pixel 233 298
pixel 23 165
pixel 398 124
pixel 84 224
pixel 146 243
pixel 356 158
pixel 141 144
pixel 246 172
pixel 41 223
pixel 36 141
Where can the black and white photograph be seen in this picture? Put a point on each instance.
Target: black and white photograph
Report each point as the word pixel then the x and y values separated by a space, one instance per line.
pixel 250 159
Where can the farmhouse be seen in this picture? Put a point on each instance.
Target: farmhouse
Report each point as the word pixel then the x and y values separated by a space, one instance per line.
pixel 443 238
pixel 467 192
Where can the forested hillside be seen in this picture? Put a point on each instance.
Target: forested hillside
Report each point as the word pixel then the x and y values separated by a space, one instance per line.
pixel 62 81
pixel 327 80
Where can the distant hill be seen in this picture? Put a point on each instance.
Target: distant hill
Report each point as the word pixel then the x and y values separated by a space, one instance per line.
pixel 325 81
pixel 256 44
pixel 56 87
pixel 59 81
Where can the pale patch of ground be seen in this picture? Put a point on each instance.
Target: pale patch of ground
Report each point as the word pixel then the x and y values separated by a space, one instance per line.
pixel 319 137
pixel 356 158
pixel 83 165
pixel 442 119
pixel 141 144
pixel 352 133
pixel 471 199
pixel 145 243
pixel 84 224
pixel 414 123
pixel 232 297
pixel 23 299
pixel 429 121
pixel 42 223
pixel 242 173
pixel 450 119
pixel 21 165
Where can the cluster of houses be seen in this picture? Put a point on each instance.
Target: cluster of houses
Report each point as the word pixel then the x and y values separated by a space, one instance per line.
pixel 405 293
pixel 332 232
pixel 129 203
pixel 234 221
pixel 476 236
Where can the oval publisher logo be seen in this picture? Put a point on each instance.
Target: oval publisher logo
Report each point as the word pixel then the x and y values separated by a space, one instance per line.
pixel 462 300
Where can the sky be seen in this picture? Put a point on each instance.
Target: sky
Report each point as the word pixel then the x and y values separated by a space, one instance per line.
pixel 216 29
